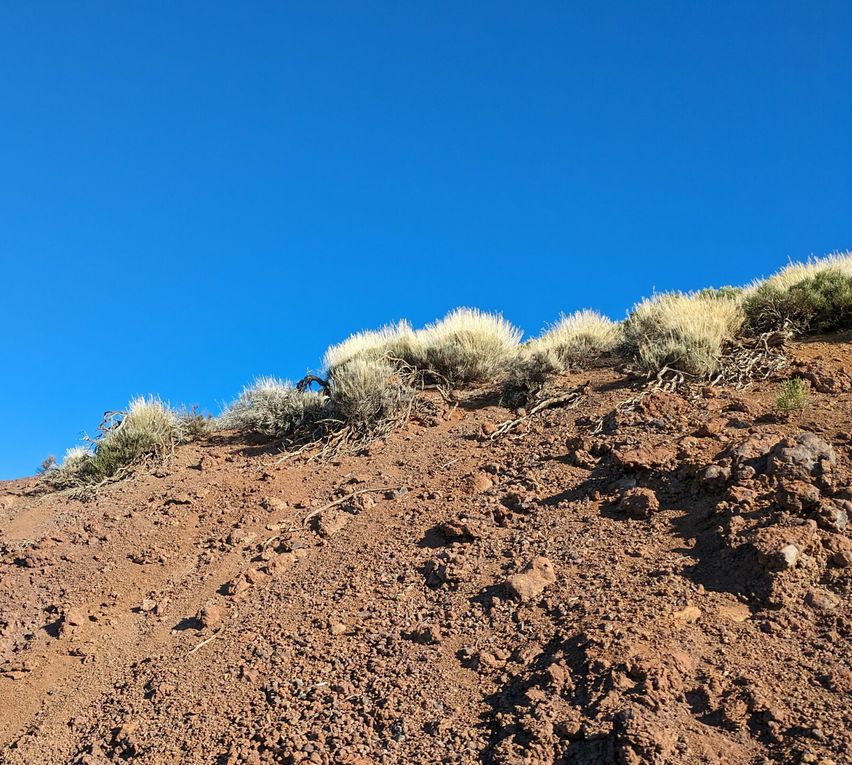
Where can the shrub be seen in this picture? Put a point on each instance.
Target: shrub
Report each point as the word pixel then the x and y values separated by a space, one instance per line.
pixel 573 342
pixel 148 429
pixel 273 408
pixel 367 393
pixel 808 297
pixel 193 424
pixel 466 346
pixel 394 340
pixel 793 395
pixel 684 331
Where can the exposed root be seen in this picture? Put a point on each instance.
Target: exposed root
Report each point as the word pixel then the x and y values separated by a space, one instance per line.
pixel 342 500
pixel 569 400
pixel 753 359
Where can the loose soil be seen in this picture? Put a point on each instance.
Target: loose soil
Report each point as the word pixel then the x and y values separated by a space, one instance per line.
pixel 641 579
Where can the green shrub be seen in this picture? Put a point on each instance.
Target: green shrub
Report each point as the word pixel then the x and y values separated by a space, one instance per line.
pixel 793 395
pixel 807 297
pixel 686 332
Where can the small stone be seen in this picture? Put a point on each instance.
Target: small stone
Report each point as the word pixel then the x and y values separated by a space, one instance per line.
pixel 532 581
pixel 787 556
pixel 210 616
pixel 148 605
pixel 331 521
pixel 688 615
pixel 822 600
pixel 639 503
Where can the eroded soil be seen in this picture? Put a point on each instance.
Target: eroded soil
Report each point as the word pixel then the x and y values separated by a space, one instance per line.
pixel 666 581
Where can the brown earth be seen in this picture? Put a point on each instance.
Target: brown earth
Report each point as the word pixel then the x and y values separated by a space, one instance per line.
pixel 667 582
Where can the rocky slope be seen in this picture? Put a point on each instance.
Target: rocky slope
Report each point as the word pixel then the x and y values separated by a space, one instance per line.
pixel 647 577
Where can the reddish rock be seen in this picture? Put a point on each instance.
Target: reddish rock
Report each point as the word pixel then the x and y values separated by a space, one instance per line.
pixel 331 521
pixel 797 496
pixel 532 581
pixel 639 503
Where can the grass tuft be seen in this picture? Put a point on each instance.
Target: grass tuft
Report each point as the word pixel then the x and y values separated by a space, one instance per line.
pixel 793 396
pixel 683 331
pixel 466 346
pixel 366 394
pixel 273 408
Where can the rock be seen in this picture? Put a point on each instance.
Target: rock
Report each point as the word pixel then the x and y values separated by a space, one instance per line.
pixel 274 504
pixel 331 521
pixel 834 515
pixel 148 605
pixel 457 531
pixel 339 628
pixel 639 503
pixel 712 428
pixel 714 477
pixel 240 537
pixel 840 551
pixel 688 615
pixel 178 499
pixel 822 600
pixel 427 634
pixel 210 616
pixel 476 483
pixel 488 428
pixel 787 556
pixel 237 586
pixel 646 457
pixel 532 581
pixel 72 619
pixel 805 452
pixel 824 380
pixel 780 547
pixel 797 496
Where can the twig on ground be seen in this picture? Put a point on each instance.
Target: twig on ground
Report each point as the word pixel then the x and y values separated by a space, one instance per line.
pixel 341 500
pixel 202 644
pixel 570 399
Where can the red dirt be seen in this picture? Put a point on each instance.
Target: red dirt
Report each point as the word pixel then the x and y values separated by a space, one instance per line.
pixel 693 606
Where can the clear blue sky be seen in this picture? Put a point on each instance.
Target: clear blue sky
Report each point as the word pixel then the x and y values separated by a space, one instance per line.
pixel 194 194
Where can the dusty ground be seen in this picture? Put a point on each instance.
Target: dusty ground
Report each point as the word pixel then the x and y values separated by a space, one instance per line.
pixel 693 605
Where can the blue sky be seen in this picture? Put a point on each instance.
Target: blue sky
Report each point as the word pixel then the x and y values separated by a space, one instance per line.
pixel 194 194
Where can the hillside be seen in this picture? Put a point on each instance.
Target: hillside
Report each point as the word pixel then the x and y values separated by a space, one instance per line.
pixel 645 573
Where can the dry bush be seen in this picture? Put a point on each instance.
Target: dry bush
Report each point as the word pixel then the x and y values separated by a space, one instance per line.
pixel 572 343
pixel 148 429
pixel 807 297
pixel 368 394
pixel 682 331
pixel 576 339
pixel 466 346
pixel 273 408
pixel 393 340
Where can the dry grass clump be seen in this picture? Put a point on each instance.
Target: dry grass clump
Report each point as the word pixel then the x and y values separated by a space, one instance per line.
pixel 574 340
pixel 466 346
pixel 273 408
pixel 367 394
pixel 393 340
pixel 148 429
pixel 572 343
pixel 682 331
pixel 815 296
